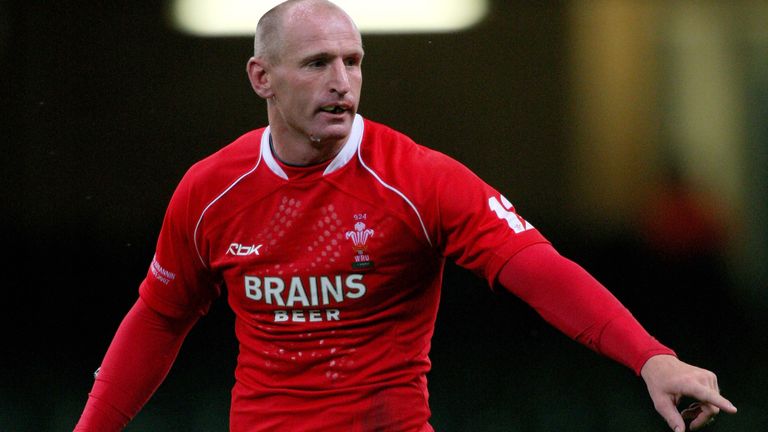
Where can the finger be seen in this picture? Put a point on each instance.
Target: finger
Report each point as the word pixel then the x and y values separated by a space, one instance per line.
pixel 721 403
pixel 690 413
pixel 712 397
pixel 706 415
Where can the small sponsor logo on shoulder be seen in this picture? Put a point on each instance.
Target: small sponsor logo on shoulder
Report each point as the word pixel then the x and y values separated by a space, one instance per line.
pixel 161 273
pixel 238 249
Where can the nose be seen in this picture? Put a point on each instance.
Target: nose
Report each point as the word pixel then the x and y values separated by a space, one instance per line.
pixel 339 80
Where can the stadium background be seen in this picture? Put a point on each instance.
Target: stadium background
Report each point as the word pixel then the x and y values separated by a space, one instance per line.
pixel 633 134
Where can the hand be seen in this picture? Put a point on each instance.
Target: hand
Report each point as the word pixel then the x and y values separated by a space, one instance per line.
pixel 669 379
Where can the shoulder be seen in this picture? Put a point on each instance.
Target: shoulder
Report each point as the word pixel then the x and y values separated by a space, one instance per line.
pixel 241 153
pixel 228 163
pixel 390 150
pixel 207 178
pixel 397 157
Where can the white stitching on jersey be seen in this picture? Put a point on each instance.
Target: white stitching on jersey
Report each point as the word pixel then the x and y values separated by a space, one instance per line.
pixel 269 158
pixel 415 210
pixel 194 238
pixel 350 147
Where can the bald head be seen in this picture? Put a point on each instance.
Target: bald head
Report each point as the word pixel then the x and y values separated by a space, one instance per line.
pixel 269 37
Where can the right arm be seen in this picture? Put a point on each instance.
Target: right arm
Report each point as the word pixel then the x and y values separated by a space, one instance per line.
pixel 137 361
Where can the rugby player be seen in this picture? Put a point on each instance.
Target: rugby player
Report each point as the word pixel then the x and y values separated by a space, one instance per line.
pixel 330 233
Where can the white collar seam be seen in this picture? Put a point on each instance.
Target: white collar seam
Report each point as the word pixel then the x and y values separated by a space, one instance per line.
pixel 346 154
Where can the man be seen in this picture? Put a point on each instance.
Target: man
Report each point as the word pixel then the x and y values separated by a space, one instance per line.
pixel 330 233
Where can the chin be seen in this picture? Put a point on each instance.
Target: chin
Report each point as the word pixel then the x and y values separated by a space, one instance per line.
pixel 334 133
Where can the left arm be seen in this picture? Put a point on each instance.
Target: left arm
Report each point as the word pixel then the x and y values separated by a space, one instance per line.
pixel 570 299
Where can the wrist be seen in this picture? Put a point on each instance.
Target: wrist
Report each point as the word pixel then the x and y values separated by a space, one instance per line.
pixel 655 363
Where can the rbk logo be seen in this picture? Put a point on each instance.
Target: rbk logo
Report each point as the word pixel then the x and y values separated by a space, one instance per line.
pixel 505 211
pixel 243 250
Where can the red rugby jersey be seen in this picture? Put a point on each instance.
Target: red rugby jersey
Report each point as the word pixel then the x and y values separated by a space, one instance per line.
pixel 333 273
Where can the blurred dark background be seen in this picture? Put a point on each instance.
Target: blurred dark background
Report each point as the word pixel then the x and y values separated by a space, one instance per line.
pixel 632 134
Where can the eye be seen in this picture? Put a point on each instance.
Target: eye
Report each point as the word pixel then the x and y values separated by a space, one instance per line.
pixel 352 61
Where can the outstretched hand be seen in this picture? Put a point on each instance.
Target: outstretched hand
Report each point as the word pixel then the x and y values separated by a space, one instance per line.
pixel 669 379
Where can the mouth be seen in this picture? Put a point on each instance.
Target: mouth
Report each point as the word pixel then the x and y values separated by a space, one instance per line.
pixel 334 109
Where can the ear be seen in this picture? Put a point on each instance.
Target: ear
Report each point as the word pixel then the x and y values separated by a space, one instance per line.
pixel 259 77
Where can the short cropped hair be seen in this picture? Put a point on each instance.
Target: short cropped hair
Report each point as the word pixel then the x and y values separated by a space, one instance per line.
pixel 268 39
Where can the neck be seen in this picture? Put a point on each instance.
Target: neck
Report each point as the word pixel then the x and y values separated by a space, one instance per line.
pixel 303 151
pixel 309 163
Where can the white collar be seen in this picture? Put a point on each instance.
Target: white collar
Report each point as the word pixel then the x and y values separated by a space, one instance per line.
pixel 347 151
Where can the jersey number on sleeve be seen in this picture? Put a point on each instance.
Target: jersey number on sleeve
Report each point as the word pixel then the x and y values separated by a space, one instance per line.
pixel 505 211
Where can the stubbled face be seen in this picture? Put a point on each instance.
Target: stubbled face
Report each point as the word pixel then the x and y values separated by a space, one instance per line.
pixel 316 81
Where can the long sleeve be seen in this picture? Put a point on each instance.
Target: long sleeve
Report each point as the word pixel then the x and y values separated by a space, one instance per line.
pixel 570 299
pixel 137 361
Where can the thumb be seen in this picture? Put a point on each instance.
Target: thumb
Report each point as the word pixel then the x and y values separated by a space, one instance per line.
pixel 667 409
